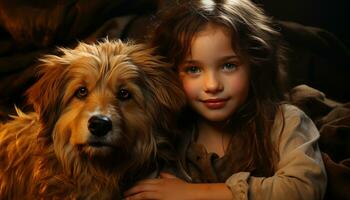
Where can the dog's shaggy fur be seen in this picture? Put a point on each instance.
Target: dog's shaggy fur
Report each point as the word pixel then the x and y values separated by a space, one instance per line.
pixel 101 111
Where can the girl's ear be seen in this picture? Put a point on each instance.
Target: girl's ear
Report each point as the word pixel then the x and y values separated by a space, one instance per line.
pixel 46 94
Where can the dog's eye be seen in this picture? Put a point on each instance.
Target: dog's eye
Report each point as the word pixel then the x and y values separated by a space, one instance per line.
pixel 123 94
pixel 81 92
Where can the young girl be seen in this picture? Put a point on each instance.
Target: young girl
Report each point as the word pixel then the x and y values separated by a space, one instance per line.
pixel 242 141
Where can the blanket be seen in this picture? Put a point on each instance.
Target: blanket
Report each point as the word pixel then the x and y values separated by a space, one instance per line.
pixel 333 120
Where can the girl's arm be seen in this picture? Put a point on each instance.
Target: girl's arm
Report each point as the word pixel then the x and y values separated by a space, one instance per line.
pixel 170 187
pixel 300 172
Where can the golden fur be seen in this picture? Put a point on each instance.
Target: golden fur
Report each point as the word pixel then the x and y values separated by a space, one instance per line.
pixel 52 154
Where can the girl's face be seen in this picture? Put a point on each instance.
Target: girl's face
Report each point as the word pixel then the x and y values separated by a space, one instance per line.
pixel 215 81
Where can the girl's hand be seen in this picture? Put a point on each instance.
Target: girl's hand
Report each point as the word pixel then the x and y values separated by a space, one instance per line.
pixel 170 187
pixel 165 187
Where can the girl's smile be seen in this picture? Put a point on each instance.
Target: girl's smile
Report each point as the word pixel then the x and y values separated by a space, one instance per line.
pixel 215 103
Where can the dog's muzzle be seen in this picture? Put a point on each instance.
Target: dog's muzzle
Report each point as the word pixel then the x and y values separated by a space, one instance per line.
pixel 100 125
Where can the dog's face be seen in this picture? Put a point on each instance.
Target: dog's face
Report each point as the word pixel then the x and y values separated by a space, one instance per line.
pixel 105 100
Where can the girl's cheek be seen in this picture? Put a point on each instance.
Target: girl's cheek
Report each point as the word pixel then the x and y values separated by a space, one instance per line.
pixel 190 87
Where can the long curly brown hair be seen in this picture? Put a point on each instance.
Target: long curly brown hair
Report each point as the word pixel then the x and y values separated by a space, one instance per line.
pixel 257 43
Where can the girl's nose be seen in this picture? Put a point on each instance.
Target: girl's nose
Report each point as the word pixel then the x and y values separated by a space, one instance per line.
pixel 212 83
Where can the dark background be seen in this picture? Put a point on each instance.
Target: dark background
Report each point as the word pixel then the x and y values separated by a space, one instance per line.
pixel 331 15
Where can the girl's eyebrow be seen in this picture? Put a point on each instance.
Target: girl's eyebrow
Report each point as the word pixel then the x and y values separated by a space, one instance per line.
pixel 229 57
pixel 222 59
pixel 191 61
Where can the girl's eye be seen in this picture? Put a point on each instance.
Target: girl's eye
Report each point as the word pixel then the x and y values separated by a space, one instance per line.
pixel 192 70
pixel 123 94
pixel 81 92
pixel 229 67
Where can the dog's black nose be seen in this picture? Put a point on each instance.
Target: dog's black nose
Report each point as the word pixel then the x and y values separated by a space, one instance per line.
pixel 100 125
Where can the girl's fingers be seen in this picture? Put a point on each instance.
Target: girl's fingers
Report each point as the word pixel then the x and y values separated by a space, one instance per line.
pixel 147 186
pixel 144 196
pixel 166 175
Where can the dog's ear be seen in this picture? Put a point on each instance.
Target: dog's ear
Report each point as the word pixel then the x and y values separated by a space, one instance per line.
pixel 165 92
pixel 46 94
pixel 165 101
pixel 161 78
pixel 165 87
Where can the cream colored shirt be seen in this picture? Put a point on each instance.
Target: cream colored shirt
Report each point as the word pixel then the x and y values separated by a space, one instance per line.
pixel 300 171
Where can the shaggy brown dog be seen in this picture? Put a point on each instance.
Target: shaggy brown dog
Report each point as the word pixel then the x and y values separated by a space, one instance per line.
pixel 101 112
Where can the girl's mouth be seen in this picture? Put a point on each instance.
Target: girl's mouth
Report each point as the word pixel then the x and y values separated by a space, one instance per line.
pixel 215 103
